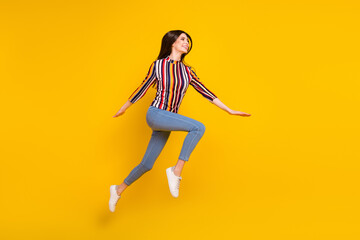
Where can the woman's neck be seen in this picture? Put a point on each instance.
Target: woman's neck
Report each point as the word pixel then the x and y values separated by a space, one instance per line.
pixel 175 56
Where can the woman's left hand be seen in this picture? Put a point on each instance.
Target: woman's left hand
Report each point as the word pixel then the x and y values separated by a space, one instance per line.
pixel 234 112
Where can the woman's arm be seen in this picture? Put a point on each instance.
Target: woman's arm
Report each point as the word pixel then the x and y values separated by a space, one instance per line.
pixel 199 86
pixel 123 109
pixel 218 103
pixel 140 91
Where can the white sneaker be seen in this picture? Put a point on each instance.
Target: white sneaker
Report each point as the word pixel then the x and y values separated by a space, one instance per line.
pixel 174 182
pixel 114 197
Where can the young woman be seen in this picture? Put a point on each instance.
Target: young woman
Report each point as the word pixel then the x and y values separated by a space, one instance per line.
pixel 172 78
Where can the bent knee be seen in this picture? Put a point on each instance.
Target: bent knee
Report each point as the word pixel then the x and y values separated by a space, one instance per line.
pixel 200 127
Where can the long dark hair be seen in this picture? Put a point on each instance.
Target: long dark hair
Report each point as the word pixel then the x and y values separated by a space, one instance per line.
pixel 166 46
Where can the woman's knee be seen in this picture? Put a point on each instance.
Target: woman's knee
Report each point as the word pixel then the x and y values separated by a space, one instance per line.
pixel 200 127
pixel 146 167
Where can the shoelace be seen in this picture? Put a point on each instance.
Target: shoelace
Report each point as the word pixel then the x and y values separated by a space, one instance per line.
pixel 116 197
pixel 115 200
pixel 178 183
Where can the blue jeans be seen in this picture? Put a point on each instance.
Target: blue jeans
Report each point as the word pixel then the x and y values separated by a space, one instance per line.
pixel 162 122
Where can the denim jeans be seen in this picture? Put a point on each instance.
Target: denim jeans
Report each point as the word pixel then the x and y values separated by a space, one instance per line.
pixel 162 122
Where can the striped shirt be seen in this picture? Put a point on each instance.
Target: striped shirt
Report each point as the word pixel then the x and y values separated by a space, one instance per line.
pixel 173 79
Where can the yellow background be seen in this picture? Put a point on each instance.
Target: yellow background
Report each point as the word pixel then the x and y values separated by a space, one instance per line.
pixel 290 171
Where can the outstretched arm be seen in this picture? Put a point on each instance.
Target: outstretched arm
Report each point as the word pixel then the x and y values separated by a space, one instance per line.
pixel 218 103
pixel 199 86
pixel 140 91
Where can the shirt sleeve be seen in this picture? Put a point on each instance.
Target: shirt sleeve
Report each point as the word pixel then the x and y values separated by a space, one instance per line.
pixel 145 85
pixel 195 82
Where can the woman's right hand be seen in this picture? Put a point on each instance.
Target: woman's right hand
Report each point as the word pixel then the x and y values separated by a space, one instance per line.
pixel 119 113
pixel 123 108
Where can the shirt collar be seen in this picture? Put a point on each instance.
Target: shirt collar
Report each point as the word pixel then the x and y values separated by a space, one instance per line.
pixel 171 60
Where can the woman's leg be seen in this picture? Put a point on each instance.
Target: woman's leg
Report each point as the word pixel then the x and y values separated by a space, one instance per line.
pixel 179 167
pixel 154 148
pixel 120 188
pixel 163 120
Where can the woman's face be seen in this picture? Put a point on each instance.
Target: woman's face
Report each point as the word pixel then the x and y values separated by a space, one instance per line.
pixel 181 44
